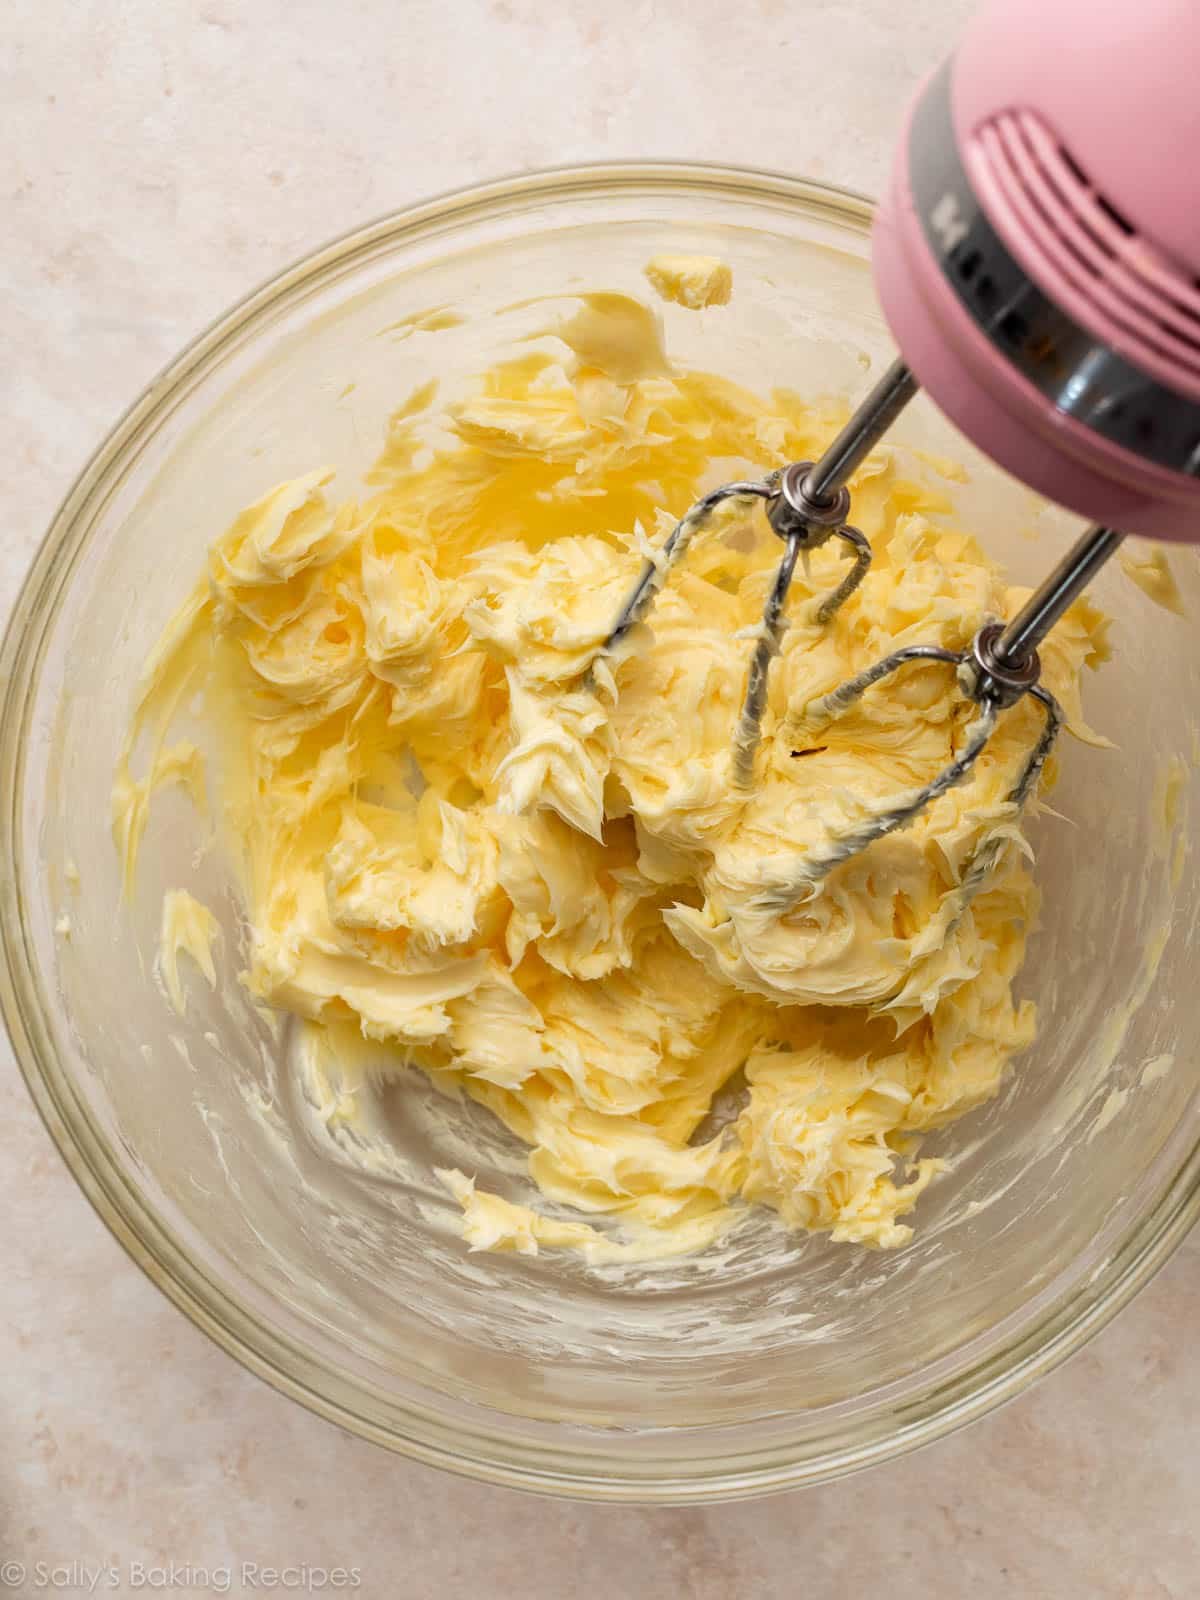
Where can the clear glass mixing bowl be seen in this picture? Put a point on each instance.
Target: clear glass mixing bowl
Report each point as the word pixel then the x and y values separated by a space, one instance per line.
pixel 786 1361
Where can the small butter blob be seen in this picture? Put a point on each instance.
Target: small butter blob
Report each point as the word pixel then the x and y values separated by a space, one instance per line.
pixel 691 281
pixel 1147 566
pixel 473 844
pixel 188 928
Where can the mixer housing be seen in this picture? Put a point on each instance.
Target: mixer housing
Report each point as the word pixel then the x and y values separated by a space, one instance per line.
pixel 1038 255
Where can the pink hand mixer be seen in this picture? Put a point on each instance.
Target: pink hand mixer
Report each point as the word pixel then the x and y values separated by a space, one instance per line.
pixel 1037 255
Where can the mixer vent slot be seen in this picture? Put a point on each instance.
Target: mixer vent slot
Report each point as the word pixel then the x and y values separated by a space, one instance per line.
pixel 1115 282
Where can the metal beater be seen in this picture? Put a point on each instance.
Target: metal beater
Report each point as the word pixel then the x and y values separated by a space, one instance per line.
pixel 807 504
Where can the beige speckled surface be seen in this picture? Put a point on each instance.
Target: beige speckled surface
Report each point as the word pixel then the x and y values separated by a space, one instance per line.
pixel 157 158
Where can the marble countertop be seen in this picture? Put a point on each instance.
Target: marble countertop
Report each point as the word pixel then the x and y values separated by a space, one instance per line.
pixel 160 156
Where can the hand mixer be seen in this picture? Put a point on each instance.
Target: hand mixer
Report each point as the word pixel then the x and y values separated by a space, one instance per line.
pixel 1037 255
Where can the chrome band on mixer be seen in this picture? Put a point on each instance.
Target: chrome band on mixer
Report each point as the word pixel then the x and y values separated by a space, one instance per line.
pixel 1080 375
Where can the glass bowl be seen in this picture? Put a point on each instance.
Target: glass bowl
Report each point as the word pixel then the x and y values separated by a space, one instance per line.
pixel 784 1361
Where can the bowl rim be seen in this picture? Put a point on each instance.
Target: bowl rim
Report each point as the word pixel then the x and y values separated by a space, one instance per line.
pixel 1005 1370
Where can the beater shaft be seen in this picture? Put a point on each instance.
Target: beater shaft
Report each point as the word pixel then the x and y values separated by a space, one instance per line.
pixel 1003 660
pixel 843 457
pixel 1059 590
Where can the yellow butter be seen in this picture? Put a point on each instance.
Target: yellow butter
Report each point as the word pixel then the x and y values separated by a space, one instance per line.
pixel 188 928
pixel 538 881
pixel 1147 566
pixel 691 281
